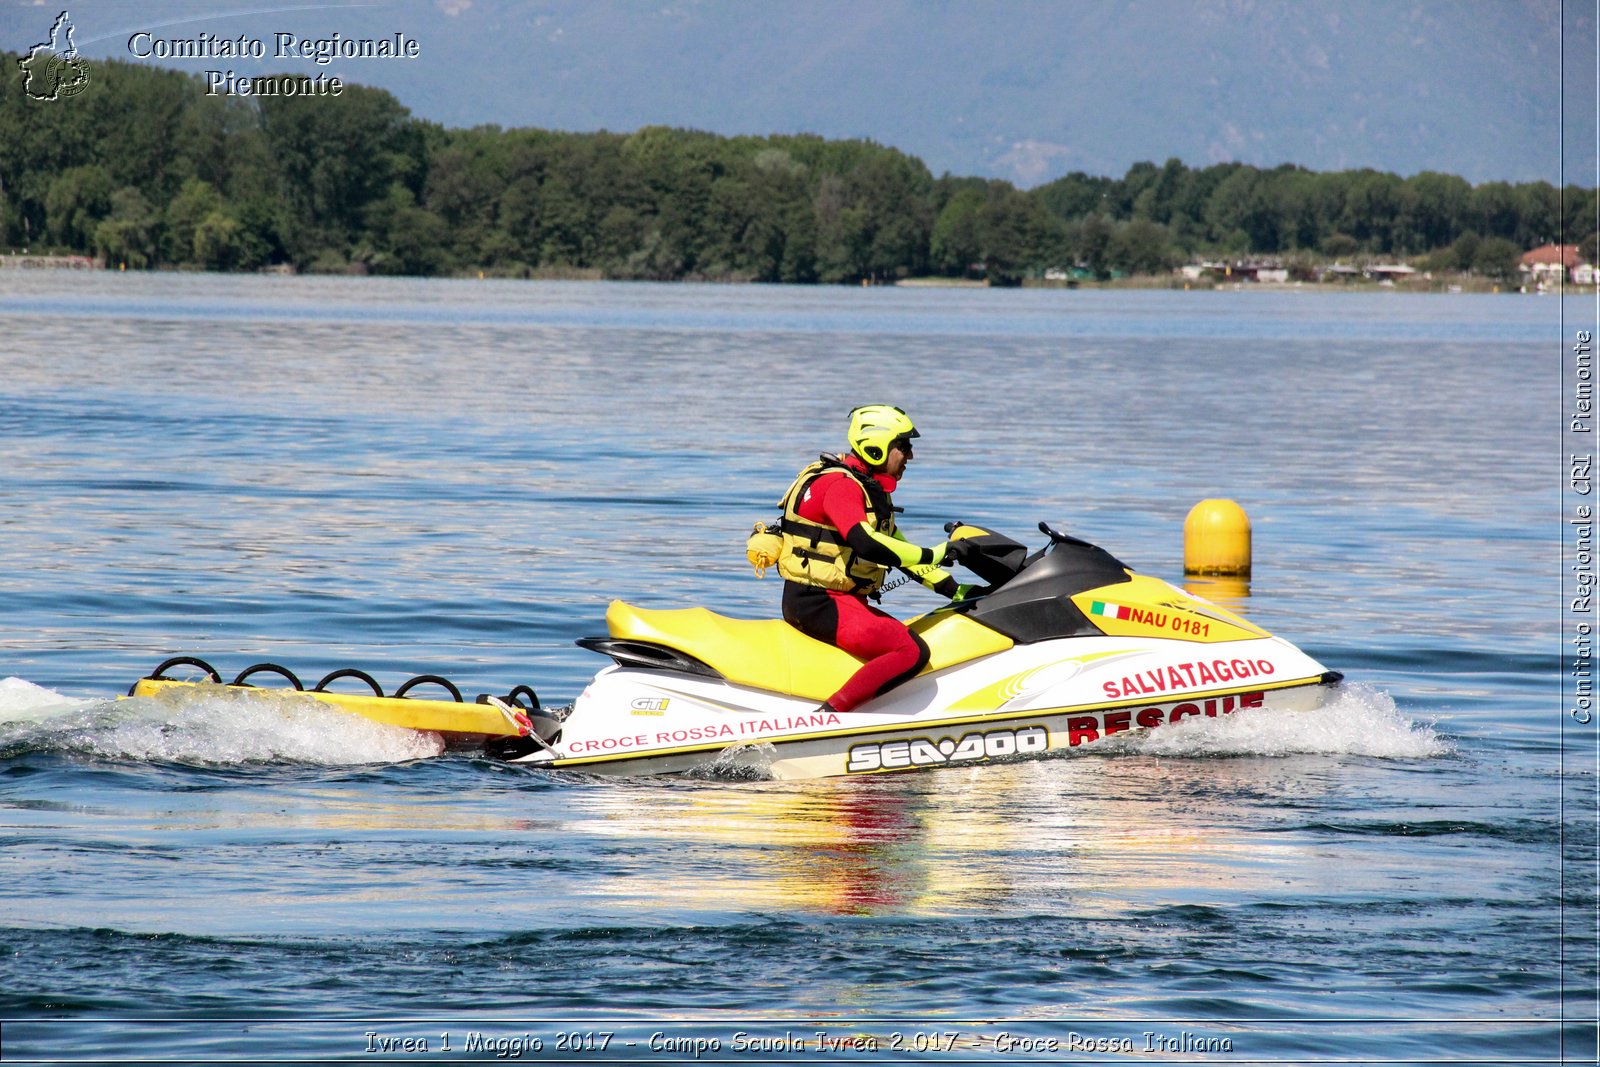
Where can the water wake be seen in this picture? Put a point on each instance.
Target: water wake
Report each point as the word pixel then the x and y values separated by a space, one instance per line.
pixel 1361 720
pixel 224 727
pixel 200 726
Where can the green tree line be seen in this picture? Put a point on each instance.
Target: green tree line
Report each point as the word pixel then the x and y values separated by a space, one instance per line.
pixel 147 170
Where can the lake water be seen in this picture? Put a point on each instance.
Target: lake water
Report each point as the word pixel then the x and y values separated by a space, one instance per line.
pixel 455 477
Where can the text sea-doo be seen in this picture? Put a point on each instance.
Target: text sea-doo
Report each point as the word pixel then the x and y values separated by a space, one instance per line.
pixel 1068 646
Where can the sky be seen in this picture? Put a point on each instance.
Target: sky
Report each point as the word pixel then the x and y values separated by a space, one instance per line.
pixel 1026 90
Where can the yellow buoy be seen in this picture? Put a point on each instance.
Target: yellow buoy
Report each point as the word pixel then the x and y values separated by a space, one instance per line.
pixel 1216 539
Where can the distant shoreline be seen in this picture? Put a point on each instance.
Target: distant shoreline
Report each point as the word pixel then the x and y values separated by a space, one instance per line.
pixel 1447 285
pixel 1444 284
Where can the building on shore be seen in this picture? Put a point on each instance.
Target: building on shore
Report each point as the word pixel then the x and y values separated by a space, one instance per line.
pixel 1554 264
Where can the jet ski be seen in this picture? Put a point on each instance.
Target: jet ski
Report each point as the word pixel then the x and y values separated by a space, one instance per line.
pixel 1065 647
pixel 1062 648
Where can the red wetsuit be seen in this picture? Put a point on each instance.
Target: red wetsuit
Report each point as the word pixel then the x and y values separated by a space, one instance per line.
pixel 893 654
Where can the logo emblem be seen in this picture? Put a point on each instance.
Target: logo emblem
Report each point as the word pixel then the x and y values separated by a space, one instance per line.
pixel 53 70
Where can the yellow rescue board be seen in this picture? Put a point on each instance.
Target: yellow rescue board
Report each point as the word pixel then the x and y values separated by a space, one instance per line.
pixel 436 716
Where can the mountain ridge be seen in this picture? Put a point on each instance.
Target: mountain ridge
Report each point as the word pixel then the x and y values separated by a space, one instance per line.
pixel 1021 91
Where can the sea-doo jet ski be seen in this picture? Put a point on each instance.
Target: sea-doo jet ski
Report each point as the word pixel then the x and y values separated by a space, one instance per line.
pixel 1067 646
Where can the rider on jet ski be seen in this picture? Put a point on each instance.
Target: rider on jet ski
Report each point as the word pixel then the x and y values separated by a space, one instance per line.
pixel 839 539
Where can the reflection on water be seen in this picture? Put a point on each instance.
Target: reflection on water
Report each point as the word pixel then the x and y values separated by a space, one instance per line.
pixel 1082 835
pixel 1230 593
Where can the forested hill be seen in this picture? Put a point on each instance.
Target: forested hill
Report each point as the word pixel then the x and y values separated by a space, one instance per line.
pixel 145 169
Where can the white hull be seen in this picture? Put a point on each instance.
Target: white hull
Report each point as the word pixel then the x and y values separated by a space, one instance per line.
pixel 1027 702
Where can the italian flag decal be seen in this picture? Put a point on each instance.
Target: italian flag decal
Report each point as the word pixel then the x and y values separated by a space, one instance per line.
pixel 1110 611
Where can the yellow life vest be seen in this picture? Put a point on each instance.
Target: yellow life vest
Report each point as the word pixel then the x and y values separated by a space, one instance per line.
pixel 817 554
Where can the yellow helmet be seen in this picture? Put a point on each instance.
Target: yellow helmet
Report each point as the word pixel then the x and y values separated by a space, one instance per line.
pixel 874 428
